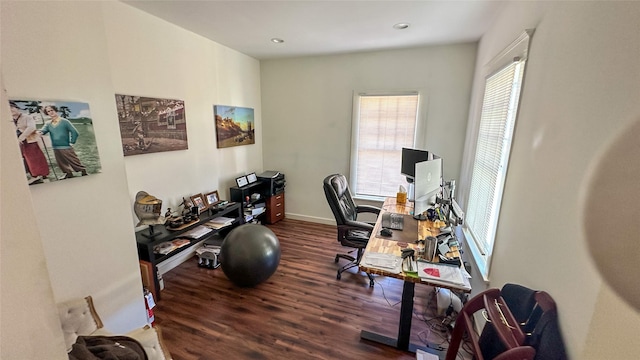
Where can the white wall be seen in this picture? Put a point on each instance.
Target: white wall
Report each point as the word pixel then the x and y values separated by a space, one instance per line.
pixel 150 57
pixel 581 87
pixel 26 297
pixel 307 108
pixel 57 51
pixel 88 52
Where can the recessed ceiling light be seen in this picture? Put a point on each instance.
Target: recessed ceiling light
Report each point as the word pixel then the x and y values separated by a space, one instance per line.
pixel 277 40
pixel 401 26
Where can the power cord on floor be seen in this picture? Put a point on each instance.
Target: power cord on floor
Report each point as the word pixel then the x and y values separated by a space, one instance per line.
pixel 385 295
pixel 435 329
pixel 466 346
pixel 438 326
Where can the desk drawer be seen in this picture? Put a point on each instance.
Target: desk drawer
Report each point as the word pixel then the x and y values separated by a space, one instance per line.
pixel 275 208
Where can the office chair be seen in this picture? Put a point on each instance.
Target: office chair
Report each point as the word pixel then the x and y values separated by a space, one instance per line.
pixel 351 232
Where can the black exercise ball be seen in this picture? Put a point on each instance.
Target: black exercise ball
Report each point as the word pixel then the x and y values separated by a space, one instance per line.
pixel 250 254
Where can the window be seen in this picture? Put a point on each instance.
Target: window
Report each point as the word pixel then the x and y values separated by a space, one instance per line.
pixel 495 135
pixel 383 125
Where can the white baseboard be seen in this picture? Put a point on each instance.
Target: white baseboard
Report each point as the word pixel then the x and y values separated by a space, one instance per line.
pixel 313 219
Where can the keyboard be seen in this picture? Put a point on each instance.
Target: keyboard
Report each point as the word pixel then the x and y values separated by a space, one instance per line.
pixel 393 221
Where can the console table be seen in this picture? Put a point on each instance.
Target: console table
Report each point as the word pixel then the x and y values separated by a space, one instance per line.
pixel 162 233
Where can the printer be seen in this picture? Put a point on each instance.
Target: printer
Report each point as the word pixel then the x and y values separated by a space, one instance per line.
pixel 274 182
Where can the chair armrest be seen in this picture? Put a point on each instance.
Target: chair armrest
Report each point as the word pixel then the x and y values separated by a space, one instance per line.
pixel 151 340
pixel 359 225
pixel 367 209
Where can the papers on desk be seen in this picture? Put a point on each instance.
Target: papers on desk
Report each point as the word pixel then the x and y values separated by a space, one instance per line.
pixel 387 262
pixel 444 274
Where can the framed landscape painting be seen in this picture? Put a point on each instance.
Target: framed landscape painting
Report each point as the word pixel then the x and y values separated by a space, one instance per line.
pixel 234 126
pixel 149 125
pixel 56 139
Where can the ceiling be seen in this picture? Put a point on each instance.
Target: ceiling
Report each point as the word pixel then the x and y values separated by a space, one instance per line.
pixel 325 27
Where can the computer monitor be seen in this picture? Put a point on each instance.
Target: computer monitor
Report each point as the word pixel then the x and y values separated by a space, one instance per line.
pixel 428 185
pixel 409 159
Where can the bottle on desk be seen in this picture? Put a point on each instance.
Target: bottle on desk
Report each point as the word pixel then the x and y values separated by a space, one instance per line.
pixel 401 196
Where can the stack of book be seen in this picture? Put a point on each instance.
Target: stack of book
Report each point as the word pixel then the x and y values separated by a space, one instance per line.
pixel 197 232
pixel 168 246
pixel 219 222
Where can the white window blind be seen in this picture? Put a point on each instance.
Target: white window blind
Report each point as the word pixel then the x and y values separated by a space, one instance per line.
pixel 497 120
pixel 383 125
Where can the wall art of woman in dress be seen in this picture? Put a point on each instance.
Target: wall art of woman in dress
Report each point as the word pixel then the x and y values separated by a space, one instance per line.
pixel 34 160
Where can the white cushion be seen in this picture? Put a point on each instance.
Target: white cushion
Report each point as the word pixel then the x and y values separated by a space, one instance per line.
pixel 77 319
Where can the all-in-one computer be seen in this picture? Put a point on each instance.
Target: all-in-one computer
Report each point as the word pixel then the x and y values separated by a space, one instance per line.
pixel 410 157
pixel 428 185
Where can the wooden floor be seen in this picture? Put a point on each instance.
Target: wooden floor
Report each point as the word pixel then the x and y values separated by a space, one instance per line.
pixel 301 312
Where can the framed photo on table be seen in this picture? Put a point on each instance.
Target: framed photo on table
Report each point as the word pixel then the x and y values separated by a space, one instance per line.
pixel 251 178
pixel 198 200
pixel 212 198
pixel 242 181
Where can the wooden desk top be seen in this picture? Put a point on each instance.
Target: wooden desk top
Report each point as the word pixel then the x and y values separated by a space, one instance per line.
pixel 378 244
pixel 425 228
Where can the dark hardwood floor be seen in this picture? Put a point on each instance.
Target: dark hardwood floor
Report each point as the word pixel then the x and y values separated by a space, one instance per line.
pixel 301 312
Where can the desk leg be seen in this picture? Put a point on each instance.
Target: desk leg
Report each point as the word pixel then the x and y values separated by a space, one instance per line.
pixel 404 326
pixel 406 314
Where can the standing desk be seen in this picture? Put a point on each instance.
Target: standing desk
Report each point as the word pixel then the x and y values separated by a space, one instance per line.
pixel 378 244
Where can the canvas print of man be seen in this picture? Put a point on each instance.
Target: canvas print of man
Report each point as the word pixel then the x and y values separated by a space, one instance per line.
pixel 56 139
pixel 149 125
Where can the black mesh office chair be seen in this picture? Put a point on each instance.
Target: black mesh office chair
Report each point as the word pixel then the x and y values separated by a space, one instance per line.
pixel 351 232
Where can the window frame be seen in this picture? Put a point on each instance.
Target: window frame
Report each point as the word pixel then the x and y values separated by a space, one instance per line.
pixel 355 120
pixel 517 51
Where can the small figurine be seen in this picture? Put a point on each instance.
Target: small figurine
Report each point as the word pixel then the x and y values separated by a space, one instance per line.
pixel 186 206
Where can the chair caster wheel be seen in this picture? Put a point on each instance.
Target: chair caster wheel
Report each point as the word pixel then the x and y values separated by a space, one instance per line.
pixel 338 276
